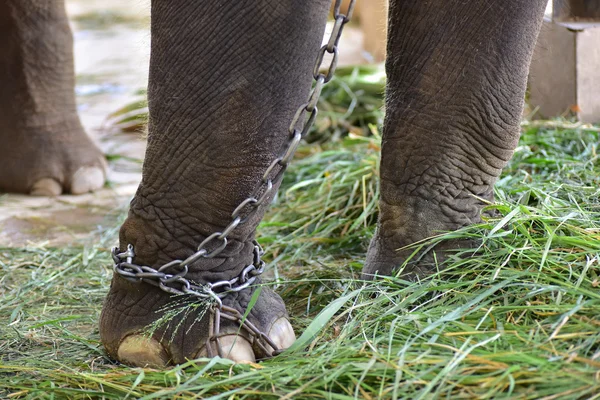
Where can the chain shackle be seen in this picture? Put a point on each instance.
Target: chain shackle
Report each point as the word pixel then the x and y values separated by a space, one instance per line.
pixel 176 283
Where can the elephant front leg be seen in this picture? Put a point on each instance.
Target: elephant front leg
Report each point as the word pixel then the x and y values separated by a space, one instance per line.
pixel 226 78
pixel 44 149
pixel 457 74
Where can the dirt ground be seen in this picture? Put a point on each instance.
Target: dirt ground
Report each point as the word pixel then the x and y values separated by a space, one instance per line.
pixel 112 51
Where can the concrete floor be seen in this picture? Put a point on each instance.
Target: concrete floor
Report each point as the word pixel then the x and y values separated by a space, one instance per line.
pixel 112 47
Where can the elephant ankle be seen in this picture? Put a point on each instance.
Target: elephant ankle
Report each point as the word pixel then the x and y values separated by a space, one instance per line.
pixel 411 261
pixel 158 318
pixel 404 226
pixel 156 243
pixel 409 219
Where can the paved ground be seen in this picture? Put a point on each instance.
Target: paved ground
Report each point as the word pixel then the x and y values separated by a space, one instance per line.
pixel 112 52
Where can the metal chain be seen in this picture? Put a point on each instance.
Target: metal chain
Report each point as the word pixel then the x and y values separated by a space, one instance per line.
pixel 174 282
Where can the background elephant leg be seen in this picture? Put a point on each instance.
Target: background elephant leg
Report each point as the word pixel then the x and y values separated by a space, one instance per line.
pixel 226 78
pixel 457 74
pixel 44 149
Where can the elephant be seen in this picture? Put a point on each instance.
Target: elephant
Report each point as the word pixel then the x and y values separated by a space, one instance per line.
pixel 226 79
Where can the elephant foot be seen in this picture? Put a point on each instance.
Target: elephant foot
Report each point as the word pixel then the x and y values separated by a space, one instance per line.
pixel 395 243
pixel 49 160
pixel 384 258
pixel 45 150
pixel 144 326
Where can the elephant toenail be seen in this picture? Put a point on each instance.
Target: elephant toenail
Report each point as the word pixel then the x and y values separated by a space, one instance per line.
pixel 236 348
pixel 87 179
pixel 46 187
pixel 282 333
pixel 142 351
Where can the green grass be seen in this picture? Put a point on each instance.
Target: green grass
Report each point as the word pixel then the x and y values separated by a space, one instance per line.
pixel 517 318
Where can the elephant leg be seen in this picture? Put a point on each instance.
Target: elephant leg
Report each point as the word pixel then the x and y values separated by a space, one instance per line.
pixel 457 74
pixel 44 149
pixel 226 78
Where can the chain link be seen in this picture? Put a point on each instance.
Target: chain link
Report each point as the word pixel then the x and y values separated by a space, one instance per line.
pixel 174 282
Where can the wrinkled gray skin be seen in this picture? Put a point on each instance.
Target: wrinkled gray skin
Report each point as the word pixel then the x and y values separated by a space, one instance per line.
pixel 44 148
pixel 225 80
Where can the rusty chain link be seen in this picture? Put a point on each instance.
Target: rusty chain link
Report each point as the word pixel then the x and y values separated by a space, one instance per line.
pixel 175 282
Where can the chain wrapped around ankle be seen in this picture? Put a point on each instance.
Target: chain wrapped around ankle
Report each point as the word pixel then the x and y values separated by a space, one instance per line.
pixel 170 278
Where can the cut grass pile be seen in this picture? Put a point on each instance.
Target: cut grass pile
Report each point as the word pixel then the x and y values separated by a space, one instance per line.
pixel 516 318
